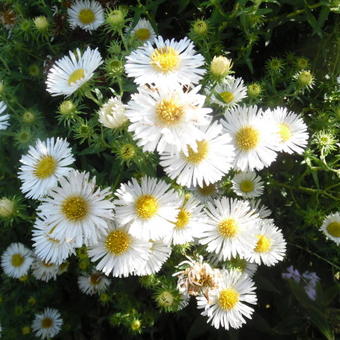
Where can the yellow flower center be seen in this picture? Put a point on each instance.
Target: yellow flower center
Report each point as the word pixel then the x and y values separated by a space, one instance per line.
pixel 166 299
pixel 227 97
pixel 334 229
pixel 183 218
pixel 146 206
pixel 75 208
pixel 169 112
pixel 17 260
pixel 200 155
pixel 76 75
pixel 263 244
pixel 247 186
pixel 247 138
pixel 142 34
pixel 228 228
pixel 46 264
pixel 45 167
pixel 165 59
pixel 207 190
pixel 95 279
pixel 86 16
pixel 228 298
pixel 46 323
pixel 117 242
pixel 284 132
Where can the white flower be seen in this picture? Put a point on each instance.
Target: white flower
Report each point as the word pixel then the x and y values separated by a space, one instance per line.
pixel 230 228
pixel 44 271
pixel 253 136
pixel 69 73
pixel 43 165
pixel 77 208
pixel 3 117
pixel 149 208
pixel 112 114
pixel 47 324
pixel 228 305
pixel 247 185
pixel 206 192
pixel 331 227
pixel 93 283
pixel 119 252
pixel 270 247
pixel 16 260
pixel 212 159
pixel 143 31
pixel 165 62
pixel 167 118
pixel 88 15
pixel 291 130
pixel 259 208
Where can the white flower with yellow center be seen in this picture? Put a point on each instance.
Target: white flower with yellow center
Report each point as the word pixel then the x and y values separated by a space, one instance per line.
pixel 93 283
pixel 143 31
pixel 247 185
pixel 206 192
pixel 16 260
pixel 331 227
pixel 119 253
pixel 212 159
pixel 88 15
pixel 42 166
pixel 253 136
pixel 230 228
pixel 270 247
pixel 167 118
pixel 228 306
pixel 165 62
pixel 291 130
pixel 78 209
pixel 112 114
pixel 3 117
pixel 47 324
pixel 69 73
pixel 44 271
pixel 149 208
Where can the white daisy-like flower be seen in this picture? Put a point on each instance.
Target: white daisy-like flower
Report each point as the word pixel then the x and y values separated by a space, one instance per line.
pixel 291 130
pixel 42 166
pixel 93 283
pixel 206 192
pixel 260 208
pixel 270 247
pixel 50 249
pixel 112 113
pixel 253 136
pixel 229 304
pixel 77 208
pixel 247 184
pixel 167 118
pixel 44 271
pixel 16 260
pixel 212 159
pixel 165 62
pixel 143 31
pixel 149 208
pixel 88 15
pixel 230 229
pixel 331 227
pixel 69 73
pixel 229 93
pixel 119 253
pixel 3 117
pixel 47 324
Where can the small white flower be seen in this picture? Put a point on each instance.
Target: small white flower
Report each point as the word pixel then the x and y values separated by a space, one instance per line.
pixel 112 114
pixel 206 192
pixel 3 117
pixel 143 31
pixel 93 283
pixel 331 227
pixel 47 324
pixel 259 208
pixel 44 271
pixel 247 185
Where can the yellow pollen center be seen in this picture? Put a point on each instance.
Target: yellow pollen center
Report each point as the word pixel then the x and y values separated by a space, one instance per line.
pixel 247 186
pixel 183 218
pixel 46 323
pixel 75 208
pixel 169 112
pixel 95 279
pixel 17 260
pixel 76 75
pixel 263 244
pixel 146 206
pixel 247 138
pixel 86 16
pixel 200 155
pixel 334 229
pixel 207 190
pixel 45 167
pixel 165 59
pixel 228 228
pixel 227 97
pixel 142 34
pixel 284 132
pixel 117 242
pixel 166 299
pixel 228 298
